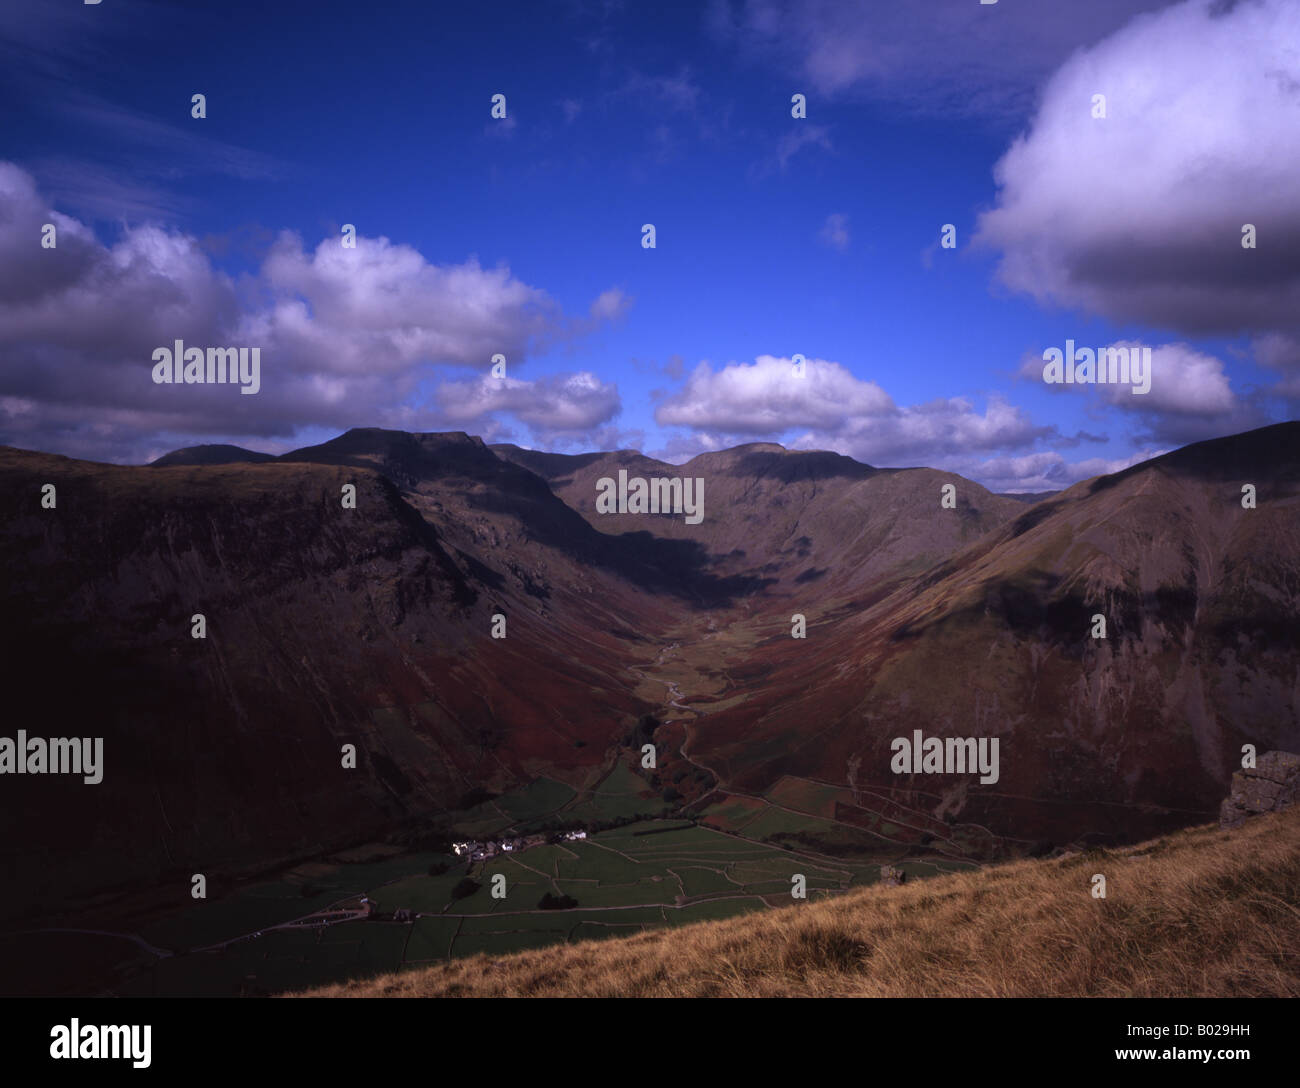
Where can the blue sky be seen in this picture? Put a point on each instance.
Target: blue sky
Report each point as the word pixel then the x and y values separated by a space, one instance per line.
pixel 774 235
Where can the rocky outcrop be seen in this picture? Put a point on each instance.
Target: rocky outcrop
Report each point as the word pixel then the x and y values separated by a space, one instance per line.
pixel 1270 786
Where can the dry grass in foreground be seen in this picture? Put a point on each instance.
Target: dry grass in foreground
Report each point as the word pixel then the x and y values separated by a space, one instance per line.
pixel 1201 912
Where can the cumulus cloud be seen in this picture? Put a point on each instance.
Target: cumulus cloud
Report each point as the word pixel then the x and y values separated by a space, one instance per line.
pixel 1042 471
pixel 571 405
pixel 834 409
pixel 767 396
pixel 1045 470
pixel 930 433
pixel 610 305
pixel 1184 381
pixel 1139 216
pixel 347 336
pixel 383 307
pixel 1190 397
pixel 831 409
pixel 1281 353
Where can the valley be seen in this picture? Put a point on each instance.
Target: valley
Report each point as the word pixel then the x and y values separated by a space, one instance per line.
pixel 307 927
pixel 371 626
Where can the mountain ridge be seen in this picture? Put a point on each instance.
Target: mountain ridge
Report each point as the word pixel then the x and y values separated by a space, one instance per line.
pixel 374 626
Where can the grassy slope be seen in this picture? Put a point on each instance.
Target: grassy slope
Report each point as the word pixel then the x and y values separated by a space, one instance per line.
pixel 1200 912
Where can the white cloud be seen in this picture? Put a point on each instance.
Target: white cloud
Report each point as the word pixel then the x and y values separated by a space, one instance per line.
pixel 926 434
pixel 565 404
pixel 382 306
pixel 1043 471
pixel 1184 381
pixel 836 410
pixel 610 305
pixel 1190 396
pixel 766 396
pixel 347 336
pixel 756 402
pixel 1138 217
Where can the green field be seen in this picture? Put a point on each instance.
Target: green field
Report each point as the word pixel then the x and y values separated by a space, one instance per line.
pixel 279 960
pixel 595 861
pixel 714 911
pixel 701 880
pixel 649 873
pixel 616 796
pixel 541 798
pixel 732 814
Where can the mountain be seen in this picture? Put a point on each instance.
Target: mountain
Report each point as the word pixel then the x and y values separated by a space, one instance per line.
pixel 1121 736
pixel 212 454
pixel 325 626
pixel 792 519
pixel 328 625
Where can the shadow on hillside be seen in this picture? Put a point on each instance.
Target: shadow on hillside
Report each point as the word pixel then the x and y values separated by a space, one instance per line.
pixel 1036 604
pixel 677 568
pixel 1029 605
pixel 1035 516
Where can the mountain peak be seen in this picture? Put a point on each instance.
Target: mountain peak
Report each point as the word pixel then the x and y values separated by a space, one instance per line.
pixel 1272 451
pixel 217 453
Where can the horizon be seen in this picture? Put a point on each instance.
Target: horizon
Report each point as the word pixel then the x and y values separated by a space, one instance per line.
pixel 676 464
